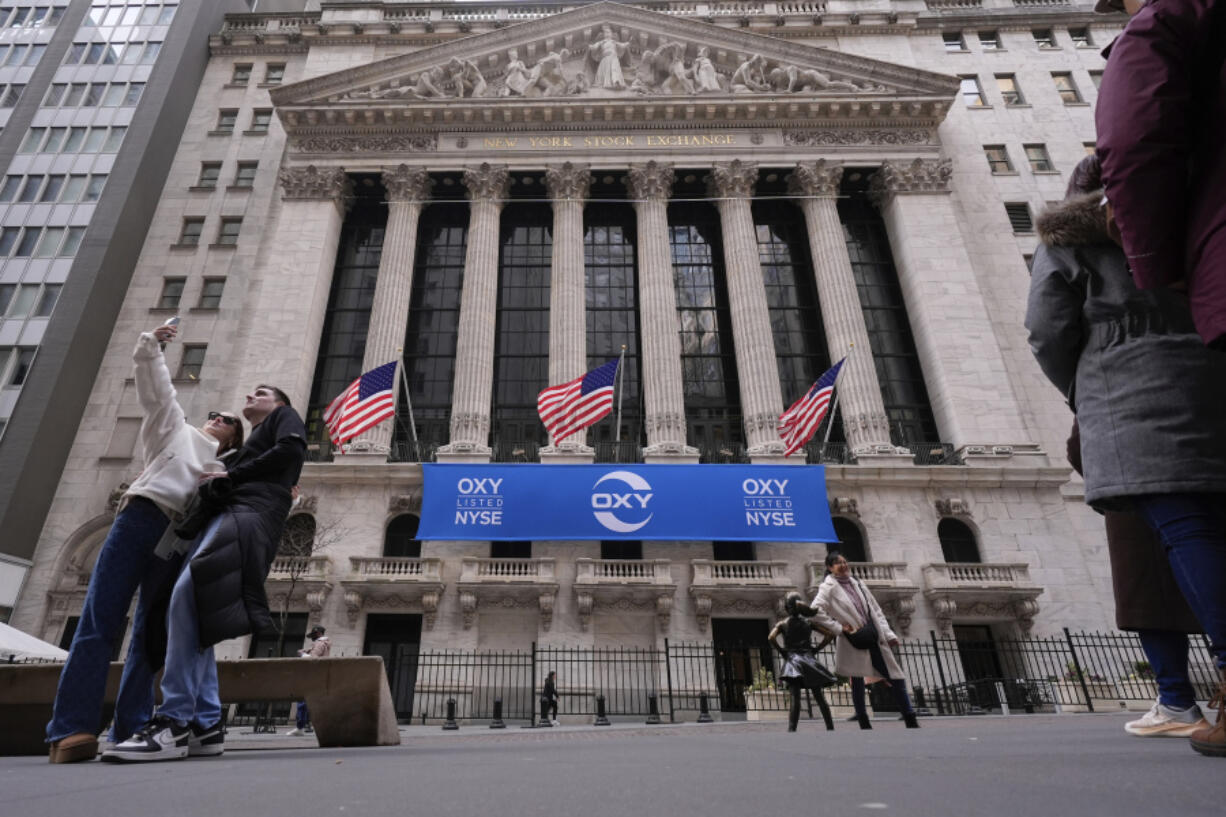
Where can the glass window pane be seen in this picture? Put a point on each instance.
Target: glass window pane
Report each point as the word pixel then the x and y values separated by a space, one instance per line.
pixel 76 91
pixel 25 247
pixel 34 138
pixel 9 188
pixel 52 236
pixel 94 140
pixel 25 358
pixel 168 13
pixel 135 89
pixel 72 190
pixel 30 191
pixel 75 53
pixel 93 54
pixel 114 139
pixel 93 190
pixel 72 241
pixel 54 185
pixel 16 54
pixel 131 53
pixel 149 15
pixel 150 54
pixel 76 138
pixel 6 298
pixel 131 16
pixel 36 53
pixel 114 95
pixel 24 302
pixel 54 94
pixel 93 94
pixel 8 237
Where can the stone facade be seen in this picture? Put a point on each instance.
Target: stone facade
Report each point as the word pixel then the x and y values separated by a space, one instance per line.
pixel 401 89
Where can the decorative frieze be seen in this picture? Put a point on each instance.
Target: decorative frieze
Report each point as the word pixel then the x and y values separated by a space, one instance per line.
pixel 366 143
pixel 844 506
pixel 952 506
pixel 918 176
pixel 314 183
pixel 829 137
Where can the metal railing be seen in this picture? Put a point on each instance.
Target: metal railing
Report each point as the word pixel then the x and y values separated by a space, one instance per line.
pixel 624 451
pixel 726 453
pixel 934 454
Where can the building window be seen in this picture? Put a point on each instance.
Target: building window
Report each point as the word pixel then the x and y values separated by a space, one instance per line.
pixel 226 118
pixel 227 235
pixel 1096 77
pixel 1090 147
pixel 189 235
pixel 510 550
pixel 209 173
pixel 172 293
pixel 1019 216
pixel 93 189
pixel 1040 161
pixel 1066 88
pixel 625 550
pixel 1081 37
pixel 244 176
pixel 29 192
pixel 400 540
pixel 972 93
pixel 133 94
pixel 953 40
pixel 29 239
pixel 8 237
pixel 851 540
pixel 21 368
pixel 998 159
pixel 72 242
pixel 241 75
pixel 733 552
pixel 1010 91
pixel 21 305
pixel 274 74
pixel 191 362
pixel 6 298
pixel 989 40
pixel 8 190
pixel 1044 38
pixel 52 237
pixel 260 121
pixel 12 93
pixel 51 192
pixel 957 542
pixel 46 303
pixel 210 293
pixel 114 138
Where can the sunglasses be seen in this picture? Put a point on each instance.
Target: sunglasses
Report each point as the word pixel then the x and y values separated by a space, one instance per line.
pixel 217 415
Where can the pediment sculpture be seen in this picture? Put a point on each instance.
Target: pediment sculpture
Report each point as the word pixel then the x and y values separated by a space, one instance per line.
pixel 607 66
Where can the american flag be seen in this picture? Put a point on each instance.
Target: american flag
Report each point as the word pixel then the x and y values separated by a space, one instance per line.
pixel 797 424
pixel 368 401
pixel 577 404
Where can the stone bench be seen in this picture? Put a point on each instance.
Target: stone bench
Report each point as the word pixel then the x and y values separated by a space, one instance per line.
pixel 349 699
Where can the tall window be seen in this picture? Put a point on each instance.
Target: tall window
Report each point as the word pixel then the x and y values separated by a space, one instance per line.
pixel 1066 87
pixel 521 349
pixel 708 360
pixel 343 341
pixel 957 541
pixel 953 41
pixel 1040 161
pixel 1044 38
pixel 889 332
pixel 400 540
pixel 998 159
pixel 613 312
pixel 989 40
pixel 851 540
pixel 1010 91
pixel 972 92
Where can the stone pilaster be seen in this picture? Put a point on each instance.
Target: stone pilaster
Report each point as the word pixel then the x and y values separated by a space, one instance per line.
pixel 568 186
pixel 291 298
pixel 865 424
pixel 732 184
pixel 650 186
pixel 967 381
pixel 474 366
pixel 407 191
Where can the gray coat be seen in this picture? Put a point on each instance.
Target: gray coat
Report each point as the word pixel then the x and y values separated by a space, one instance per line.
pixel 1147 393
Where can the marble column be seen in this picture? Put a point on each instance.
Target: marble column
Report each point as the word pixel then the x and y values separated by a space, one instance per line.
pixel 650 185
pixel 290 300
pixel 407 191
pixel 568 186
pixel 965 373
pixel 488 186
pixel 732 184
pixel 865 424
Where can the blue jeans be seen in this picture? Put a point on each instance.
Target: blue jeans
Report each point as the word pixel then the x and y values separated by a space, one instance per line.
pixel 897 685
pixel 125 563
pixel 1192 528
pixel 304 715
pixel 1167 652
pixel 189 682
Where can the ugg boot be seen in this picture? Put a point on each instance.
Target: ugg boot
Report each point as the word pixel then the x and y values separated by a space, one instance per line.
pixel 1211 740
pixel 74 748
pixel 864 721
pixel 911 722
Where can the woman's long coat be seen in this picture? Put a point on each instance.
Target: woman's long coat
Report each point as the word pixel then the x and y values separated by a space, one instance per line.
pixel 833 608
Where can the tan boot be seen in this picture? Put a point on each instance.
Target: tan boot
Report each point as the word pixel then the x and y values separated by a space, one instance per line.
pixel 74 748
pixel 1211 740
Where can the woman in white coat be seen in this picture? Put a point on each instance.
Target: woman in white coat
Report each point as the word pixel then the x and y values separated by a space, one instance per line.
pixel 844 605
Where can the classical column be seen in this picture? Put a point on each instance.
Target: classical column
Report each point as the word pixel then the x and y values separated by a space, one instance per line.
pixel 865 423
pixel 407 189
pixel 650 185
pixel 732 185
pixel 568 186
pixel 968 384
pixel 290 300
pixel 474 364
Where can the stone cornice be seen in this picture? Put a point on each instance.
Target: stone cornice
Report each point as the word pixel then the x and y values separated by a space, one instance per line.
pixel 820 178
pixel 313 183
pixel 918 176
pixel 1010 19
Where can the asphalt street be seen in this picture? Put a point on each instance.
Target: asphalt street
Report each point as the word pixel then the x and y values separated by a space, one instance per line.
pixel 1079 765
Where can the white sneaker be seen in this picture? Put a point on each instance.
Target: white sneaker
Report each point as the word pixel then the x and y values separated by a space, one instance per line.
pixel 1163 722
pixel 159 739
pixel 295 733
pixel 555 723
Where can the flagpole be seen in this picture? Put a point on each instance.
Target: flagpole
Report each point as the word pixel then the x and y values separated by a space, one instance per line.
pixel 408 402
pixel 621 361
pixel 835 408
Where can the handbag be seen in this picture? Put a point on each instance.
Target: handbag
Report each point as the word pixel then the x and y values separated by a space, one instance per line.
pixel 867 636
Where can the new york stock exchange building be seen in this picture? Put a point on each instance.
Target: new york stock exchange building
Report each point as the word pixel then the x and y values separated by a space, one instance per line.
pixel 736 194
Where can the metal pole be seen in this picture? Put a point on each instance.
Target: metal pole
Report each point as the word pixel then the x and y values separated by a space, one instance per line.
pixel 408 402
pixel 532 690
pixel 936 649
pixel 668 674
pixel 621 365
pixel 1081 676
pixel 834 409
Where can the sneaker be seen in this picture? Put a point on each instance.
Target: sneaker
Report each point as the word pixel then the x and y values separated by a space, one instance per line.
pixel 555 723
pixel 295 733
pixel 206 741
pixel 1163 722
pixel 159 739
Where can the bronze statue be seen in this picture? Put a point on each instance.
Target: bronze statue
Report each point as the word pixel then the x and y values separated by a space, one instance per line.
pixel 801 669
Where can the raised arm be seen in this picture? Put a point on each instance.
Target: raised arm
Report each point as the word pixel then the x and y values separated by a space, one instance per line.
pixel 156 393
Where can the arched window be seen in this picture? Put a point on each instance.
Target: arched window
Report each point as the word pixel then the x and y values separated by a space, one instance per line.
pixel 621 549
pixel 851 540
pixel 401 537
pixel 298 538
pixel 957 541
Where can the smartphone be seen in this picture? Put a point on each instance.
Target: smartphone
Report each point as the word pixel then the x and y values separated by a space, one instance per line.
pixel 173 321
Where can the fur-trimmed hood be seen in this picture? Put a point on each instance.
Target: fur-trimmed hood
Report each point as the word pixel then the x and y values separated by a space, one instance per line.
pixel 1073 222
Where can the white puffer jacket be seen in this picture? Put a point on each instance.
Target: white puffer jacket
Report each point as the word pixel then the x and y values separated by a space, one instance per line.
pixel 175 453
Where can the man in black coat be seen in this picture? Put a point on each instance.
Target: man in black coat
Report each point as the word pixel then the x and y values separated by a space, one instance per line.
pixel 220 594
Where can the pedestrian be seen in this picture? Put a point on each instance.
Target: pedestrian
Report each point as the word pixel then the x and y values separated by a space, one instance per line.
pixel 549 700
pixel 175 455
pixel 321 647
pixel 1148 398
pixel 801 669
pixel 220 594
pixel 863 651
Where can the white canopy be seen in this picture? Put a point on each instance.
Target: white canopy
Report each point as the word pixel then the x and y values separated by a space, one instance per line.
pixel 25 647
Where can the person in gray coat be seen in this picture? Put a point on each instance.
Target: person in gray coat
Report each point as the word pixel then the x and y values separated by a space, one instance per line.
pixel 1147 394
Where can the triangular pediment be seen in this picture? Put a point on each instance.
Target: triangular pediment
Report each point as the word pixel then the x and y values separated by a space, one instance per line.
pixel 606 52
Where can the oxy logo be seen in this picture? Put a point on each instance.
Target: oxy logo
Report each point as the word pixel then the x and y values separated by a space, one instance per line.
pixel 632 503
pixel 479 501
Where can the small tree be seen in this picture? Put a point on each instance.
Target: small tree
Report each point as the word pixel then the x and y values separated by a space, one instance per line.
pixel 301 539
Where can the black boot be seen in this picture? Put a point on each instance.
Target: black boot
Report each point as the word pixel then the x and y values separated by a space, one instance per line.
pixel 910 719
pixel 864 721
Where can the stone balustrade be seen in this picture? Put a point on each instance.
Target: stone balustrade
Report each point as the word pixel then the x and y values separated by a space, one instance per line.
pixel 623 571
pixel 634 583
pixel 741 588
pixel 514 582
pixel 396 568
pixel 298 567
pixel 981 592
pixel 500 571
pixel 737 574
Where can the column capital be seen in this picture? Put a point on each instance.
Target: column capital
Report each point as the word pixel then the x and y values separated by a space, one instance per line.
pixel 918 176
pixel 314 183
pixel 734 180
pixel 817 179
pixel 487 182
pixel 568 181
pixel 653 180
pixel 405 183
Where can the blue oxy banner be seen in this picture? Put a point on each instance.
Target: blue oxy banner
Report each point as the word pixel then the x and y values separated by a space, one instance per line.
pixel 612 501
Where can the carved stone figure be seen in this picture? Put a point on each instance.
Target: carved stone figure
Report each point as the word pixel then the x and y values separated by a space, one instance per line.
pixel 607 53
pixel 645 74
pixel 705 77
pixel 518 77
pixel 670 64
pixel 466 77
pixel 750 76
pixel 550 78
pixel 801 79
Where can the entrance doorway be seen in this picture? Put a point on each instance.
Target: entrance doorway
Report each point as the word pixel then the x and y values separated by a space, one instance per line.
pixel 740 650
pixel 980 664
pixel 396 639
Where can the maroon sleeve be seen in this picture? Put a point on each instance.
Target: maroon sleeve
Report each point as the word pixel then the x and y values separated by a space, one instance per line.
pixel 1144 118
